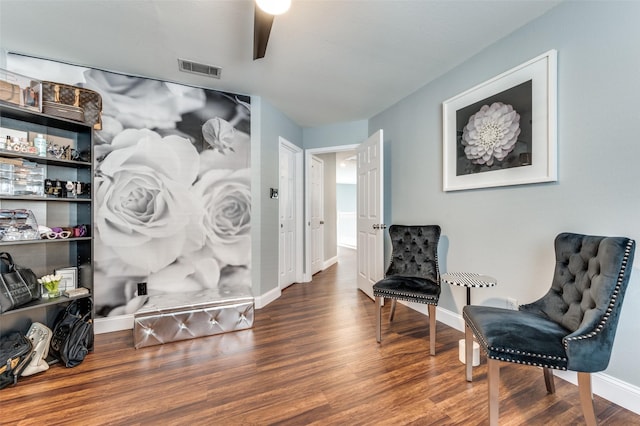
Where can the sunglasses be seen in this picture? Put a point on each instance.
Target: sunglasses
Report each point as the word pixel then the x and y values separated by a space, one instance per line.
pixel 64 233
pixel 56 234
pixel 14 214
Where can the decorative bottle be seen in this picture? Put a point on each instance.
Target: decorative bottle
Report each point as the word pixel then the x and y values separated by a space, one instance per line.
pixel 41 145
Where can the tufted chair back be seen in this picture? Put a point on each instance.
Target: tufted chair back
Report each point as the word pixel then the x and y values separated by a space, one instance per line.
pixel 412 275
pixel 589 282
pixel 572 327
pixel 415 251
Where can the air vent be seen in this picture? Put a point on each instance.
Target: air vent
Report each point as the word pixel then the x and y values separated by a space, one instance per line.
pixel 201 69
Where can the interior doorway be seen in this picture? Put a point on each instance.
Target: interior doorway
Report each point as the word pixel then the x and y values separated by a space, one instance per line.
pixel 336 217
pixel 346 199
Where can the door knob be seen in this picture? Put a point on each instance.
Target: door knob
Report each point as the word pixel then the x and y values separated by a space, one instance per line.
pixel 322 222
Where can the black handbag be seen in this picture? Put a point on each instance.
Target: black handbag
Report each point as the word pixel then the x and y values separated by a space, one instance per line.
pixel 18 285
pixel 15 354
pixel 73 333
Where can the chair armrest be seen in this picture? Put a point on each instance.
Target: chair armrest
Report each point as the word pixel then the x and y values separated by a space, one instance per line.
pixel 589 347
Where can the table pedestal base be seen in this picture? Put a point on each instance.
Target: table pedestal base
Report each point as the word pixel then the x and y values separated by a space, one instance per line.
pixel 476 353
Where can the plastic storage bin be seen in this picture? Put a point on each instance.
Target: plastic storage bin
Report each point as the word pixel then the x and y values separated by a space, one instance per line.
pixel 6 179
pixel 28 179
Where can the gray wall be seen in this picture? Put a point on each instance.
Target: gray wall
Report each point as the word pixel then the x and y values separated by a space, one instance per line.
pixel 347 133
pixel 270 124
pixel 508 232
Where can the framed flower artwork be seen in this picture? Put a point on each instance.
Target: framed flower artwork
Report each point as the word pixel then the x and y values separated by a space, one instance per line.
pixel 503 131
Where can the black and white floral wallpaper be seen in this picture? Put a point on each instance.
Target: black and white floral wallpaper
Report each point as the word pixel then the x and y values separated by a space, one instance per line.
pixel 171 186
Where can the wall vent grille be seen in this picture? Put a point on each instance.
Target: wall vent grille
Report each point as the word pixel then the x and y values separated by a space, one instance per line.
pixel 201 69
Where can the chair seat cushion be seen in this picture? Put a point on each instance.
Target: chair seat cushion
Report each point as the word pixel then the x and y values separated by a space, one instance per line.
pixel 412 289
pixel 517 336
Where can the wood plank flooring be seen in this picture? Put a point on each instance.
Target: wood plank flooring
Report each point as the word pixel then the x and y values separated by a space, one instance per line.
pixel 310 359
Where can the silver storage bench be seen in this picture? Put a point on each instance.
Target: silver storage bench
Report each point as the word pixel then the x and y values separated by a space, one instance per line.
pixel 171 317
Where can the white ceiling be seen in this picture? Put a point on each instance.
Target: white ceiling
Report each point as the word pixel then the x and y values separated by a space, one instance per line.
pixel 327 61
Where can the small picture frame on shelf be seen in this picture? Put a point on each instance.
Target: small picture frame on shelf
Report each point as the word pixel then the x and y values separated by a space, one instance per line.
pixel 69 279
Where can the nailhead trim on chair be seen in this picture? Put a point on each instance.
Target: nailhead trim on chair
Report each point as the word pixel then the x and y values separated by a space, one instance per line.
pixel 591 334
pixel 408 297
pixel 555 367
pixel 612 302
pixel 513 351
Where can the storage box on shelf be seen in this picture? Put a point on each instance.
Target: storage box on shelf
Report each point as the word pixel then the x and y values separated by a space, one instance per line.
pixel 20 90
pixel 23 179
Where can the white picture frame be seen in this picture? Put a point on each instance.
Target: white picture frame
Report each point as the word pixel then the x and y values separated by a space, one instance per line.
pixel 69 279
pixel 530 89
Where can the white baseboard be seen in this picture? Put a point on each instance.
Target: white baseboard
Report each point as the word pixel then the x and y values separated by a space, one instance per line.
pixel 610 388
pixel 109 324
pixel 307 277
pixel 264 299
pixel 329 262
pixel 449 318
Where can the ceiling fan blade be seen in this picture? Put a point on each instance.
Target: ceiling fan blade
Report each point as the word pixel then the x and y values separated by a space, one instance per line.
pixel 262 23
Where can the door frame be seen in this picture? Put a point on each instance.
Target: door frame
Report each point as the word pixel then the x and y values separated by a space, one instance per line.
pixel 299 204
pixel 316 195
pixel 307 199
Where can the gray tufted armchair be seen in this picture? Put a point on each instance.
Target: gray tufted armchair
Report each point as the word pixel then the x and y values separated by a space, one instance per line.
pixel 413 274
pixel 572 327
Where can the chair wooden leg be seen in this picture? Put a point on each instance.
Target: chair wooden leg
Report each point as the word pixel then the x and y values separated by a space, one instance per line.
pixel 432 329
pixel 379 318
pixel 468 352
pixel 548 380
pixel 586 398
pixel 494 382
pixel 393 309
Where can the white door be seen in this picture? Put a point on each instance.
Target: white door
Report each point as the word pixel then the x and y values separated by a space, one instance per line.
pixel 317 213
pixel 287 195
pixel 370 222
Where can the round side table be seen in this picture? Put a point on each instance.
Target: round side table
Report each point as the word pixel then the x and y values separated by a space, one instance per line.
pixel 469 280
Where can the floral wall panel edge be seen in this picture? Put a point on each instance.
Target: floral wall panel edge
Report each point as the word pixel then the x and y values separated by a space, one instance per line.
pixel 171 186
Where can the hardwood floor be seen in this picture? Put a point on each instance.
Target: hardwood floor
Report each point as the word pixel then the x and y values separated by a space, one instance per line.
pixel 311 358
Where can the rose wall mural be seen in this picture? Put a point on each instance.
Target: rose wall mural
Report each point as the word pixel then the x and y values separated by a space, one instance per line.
pixel 171 187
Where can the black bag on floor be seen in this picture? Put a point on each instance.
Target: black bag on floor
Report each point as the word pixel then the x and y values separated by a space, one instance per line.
pixel 73 333
pixel 15 354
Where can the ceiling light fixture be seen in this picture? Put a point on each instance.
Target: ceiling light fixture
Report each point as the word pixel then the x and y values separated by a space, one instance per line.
pixel 274 7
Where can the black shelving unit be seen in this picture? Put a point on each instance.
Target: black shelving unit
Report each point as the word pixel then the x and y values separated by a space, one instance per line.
pixel 44 256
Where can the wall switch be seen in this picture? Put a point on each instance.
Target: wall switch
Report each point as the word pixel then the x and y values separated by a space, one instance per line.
pixel 512 303
pixel 142 289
